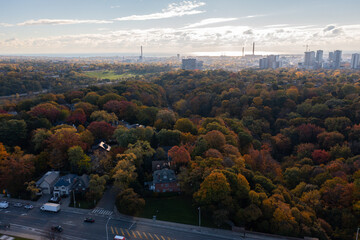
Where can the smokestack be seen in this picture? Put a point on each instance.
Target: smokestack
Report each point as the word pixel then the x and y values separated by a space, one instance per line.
pixel 253 48
pixel 141 52
pixel 243 51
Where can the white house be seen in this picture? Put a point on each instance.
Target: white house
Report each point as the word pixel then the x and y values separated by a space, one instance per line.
pixel 64 185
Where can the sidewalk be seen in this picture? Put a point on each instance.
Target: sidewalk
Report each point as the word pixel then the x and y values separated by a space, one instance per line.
pixel 22 235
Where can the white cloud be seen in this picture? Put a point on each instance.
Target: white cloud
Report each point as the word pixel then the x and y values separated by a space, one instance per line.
pixel 5 25
pixel 60 22
pixel 172 40
pixel 209 21
pixel 173 10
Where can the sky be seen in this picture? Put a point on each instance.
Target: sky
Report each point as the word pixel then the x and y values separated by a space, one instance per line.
pixel 170 27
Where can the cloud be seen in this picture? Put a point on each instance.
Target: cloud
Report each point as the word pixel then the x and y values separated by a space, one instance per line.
pixel 209 21
pixel 173 10
pixel 249 32
pixel 329 28
pixel 202 39
pixel 118 6
pixel 61 22
pixel 5 25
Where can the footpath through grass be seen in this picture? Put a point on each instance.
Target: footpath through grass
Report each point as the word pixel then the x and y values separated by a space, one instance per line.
pixel 177 209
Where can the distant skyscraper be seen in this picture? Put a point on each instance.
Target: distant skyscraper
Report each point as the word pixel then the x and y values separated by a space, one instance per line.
pixel 331 56
pixel 191 64
pixel 271 61
pixel 355 61
pixel 309 60
pixel 319 56
pixel 141 55
pixel 337 59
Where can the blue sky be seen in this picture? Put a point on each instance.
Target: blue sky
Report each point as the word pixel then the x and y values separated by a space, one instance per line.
pixel 171 27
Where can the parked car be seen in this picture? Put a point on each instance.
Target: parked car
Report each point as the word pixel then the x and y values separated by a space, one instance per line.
pixel 89 219
pixel 4 204
pixel 17 204
pixel 55 200
pixel 117 237
pixel 56 228
pixel 28 206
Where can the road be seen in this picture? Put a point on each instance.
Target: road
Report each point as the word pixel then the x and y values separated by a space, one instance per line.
pixel 38 223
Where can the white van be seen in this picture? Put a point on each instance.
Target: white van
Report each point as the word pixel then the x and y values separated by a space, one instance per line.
pixel 4 204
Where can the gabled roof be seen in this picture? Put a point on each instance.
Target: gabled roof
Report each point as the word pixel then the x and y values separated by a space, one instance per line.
pixel 66 180
pixel 48 177
pixel 164 176
pixel 82 180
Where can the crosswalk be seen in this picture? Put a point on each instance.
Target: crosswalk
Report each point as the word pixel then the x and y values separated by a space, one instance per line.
pixel 101 211
pixel 133 234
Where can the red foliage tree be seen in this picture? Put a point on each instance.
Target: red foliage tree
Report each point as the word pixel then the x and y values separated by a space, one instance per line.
pixel 46 110
pixel 179 155
pixel 101 130
pixel 77 117
pixel 320 156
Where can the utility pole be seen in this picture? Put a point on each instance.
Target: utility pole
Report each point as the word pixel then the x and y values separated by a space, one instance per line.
pixel 107 235
pixel 199 216
pixel 357 233
pixel 74 198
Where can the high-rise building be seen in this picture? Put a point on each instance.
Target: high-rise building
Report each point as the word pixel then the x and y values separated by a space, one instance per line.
pixel 337 59
pixel 331 56
pixel 309 60
pixel 319 56
pixel 355 61
pixel 191 64
pixel 271 61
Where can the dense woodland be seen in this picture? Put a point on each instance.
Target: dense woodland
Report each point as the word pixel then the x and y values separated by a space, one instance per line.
pixel 272 151
pixel 25 76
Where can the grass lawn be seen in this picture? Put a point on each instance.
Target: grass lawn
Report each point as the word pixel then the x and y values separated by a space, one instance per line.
pixel 111 75
pixel 16 238
pixel 174 209
pixel 83 204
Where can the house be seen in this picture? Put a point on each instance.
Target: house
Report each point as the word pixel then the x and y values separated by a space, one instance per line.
pixel 81 184
pixel 164 180
pixel 46 183
pixel 64 185
pixel 158 165
pixel 101 146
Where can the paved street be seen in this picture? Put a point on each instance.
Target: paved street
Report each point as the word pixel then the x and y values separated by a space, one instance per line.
pixel 38 223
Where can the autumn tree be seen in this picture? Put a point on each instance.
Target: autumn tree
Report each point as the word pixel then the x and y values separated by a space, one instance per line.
pixel 124 171
pixel 101 130
pixel 128 202
pixel 96 186
pixel 179 155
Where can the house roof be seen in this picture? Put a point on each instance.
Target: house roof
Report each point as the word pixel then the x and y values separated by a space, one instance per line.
pixel 82 181
pixel 48 177
pixel 66 180
pixel 103 146
pixel 164 176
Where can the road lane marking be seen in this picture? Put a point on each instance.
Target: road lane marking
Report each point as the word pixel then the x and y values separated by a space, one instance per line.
pixel 122 231
pixel 139 234
pixel 156 236
pixel 162 238
pixel 133 234
pixel 116 231
pixel 145 235
pixel 169 238
pixel 112 230
pixel 128 232
pixel 151 236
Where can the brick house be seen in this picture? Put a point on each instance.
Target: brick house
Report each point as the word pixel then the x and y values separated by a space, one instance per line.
pixel 164 180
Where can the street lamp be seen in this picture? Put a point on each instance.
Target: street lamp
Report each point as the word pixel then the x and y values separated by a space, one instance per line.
pixel 357 233
pixel 199 216
pixel 107 235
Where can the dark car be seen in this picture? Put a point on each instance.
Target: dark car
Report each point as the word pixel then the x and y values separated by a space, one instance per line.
pixel 17 205
pixel 90 220
pixel 57 228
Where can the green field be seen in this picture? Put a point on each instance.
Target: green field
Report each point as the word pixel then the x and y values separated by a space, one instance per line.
pixel 174 209
pixel 111 75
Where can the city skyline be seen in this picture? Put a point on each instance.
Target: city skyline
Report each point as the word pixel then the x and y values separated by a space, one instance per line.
pixel 170 27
